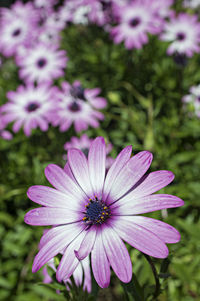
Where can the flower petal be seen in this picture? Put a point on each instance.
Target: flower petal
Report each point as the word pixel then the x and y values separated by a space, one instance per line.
pixel 117 254
pixel 61 181
pixel 51 197
pixel 69 262
pixel 55 241
pixel 97 164
pixel 149 203
pixel 87 244
pixel 152 183
pixel 117 165
pixel 100 264
pixel 46 216
pixel 165 232
pixel 139 237
pixel 79 167
pixel 130 174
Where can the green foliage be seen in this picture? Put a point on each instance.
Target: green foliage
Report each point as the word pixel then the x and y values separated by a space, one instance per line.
pixel 144 90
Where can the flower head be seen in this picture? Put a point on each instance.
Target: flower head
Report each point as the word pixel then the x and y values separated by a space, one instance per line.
pixel 42 63
pixel 94 213
pixel 29 107
pixel 77 105
pixel 136 20
pixel 183 32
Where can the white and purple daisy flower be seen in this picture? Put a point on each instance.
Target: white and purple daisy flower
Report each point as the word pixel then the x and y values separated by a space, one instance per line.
pixel 77 105
pixel 194 99
pixel 136 20
pixel 41 63
pixel 14 34
pixel 30 107
pixel 183 32
pixel 94 213
pixel 82 270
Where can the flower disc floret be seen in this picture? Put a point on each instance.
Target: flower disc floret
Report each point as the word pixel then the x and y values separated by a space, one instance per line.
pixel 96 212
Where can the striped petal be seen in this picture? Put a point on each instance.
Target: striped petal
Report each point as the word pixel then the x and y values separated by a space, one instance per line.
pixel 79 166
pixel 44 216
pixel 130 174
pixel 87 244
pixel 117 165
pixel 97 164
pixel 100 264
pixel 117 254
pixel 139 237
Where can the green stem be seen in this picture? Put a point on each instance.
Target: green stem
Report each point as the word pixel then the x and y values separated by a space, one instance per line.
pixel 157 288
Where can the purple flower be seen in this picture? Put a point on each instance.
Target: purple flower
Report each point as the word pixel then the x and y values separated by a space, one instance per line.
pixel 30 107
pixel 77 105
pixel 14 34
pixel 137 19
pixel 83 269
pixel 42 63
pixel 194 99
pixel 183 32
pixel 93 213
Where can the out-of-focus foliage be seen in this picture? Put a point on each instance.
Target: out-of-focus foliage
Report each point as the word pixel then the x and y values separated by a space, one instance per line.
pixel 144 90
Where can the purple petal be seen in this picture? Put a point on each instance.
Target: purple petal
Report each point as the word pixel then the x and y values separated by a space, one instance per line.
pixel 117 254
pixel 130 174
pixel 117 165
pixel 50 197
pixel 44 216
pixel 139 237
pixel 152 183
pixel 165 232
pixel 149 203
pixel 100 264
pixel 54 242
pixel 61 181
pixel 79 167
pixel 97 163
pixel 87 244
pixel 69 262
pixel 68 171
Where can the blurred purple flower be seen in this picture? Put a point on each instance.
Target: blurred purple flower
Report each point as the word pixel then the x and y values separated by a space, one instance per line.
pixel 30 107
pixel 194 99
pixel 183 32
pixel 191 3
pixel 77 105
pixel 136 20
pixel 4 133
pixel 93 213
pixel 41 63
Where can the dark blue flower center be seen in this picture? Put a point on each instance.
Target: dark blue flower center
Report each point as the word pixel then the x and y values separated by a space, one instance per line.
pixel 32 106
pixel 180 36
pixel 198 98
pixel 96 212
pixel 41 62
pixel 135 22
pixel 16 32
pixel 74 107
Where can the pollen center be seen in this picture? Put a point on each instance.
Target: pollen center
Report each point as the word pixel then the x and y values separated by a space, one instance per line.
pixel 96 212
pixel 135 22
